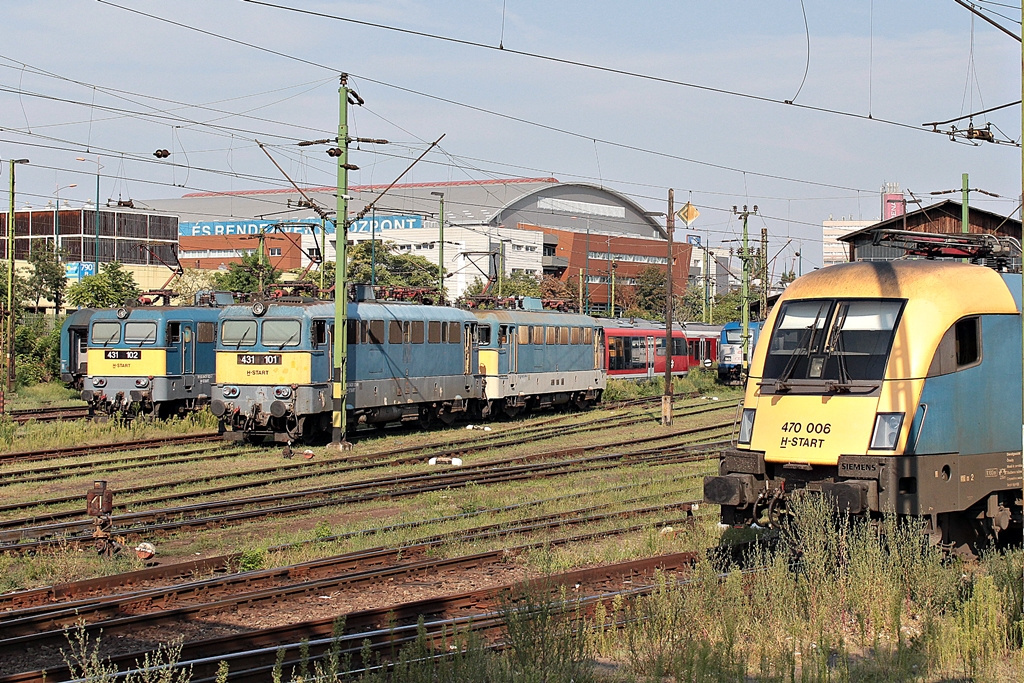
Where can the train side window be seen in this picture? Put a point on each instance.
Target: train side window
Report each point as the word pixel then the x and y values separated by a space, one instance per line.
pixel 574 335
pixel 536 334
pixel 524 334
pixel 376 332
pixel 659 345
pixel 206 333
pixel 416 332
pixel 588 335
pixel 173 333
pixel 454 333
pixel 563 335
pixel 968 342
pixel 395 332
pixel 483 335
pixel 434 332
pixel 352 328
pixel 678 346
pixel 550 335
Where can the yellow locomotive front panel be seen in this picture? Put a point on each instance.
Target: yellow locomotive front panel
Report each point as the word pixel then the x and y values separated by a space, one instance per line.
pixel 278 368
pixel 148 362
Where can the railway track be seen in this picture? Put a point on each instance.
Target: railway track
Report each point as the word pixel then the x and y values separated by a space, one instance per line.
pixel 49 414
pixel 92 449
pixel 300 470
pixel 150 610
pixel 219 513
pixel 129 612
pixel 253 654
pixel 45 623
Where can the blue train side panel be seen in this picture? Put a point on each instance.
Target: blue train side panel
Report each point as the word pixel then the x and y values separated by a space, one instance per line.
pixel 977 409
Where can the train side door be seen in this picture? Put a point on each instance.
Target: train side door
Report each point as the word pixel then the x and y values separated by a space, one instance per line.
pixel 504 350
pixel 649 355
pixel 188 355
pixel 175 358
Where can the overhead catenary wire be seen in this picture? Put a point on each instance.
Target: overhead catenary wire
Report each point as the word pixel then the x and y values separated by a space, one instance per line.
pixel 509 117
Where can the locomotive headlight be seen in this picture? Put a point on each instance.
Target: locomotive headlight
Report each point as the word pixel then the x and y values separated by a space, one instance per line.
pixel 230 392
pixel 282 392
pixel 746 425
pixel 887 431
pixel 142 383
pixel 99 382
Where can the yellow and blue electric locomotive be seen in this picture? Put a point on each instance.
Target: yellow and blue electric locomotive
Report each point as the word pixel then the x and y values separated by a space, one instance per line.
pixel 155 360
pixel 531 360
pixel 405 362
pixel 891 387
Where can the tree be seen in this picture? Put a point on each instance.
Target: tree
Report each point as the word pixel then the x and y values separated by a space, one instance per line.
pixel 383 264
pixel 190 281
pixel 518 283
pixel 650 291
pixel 112 286
pixel 553 288
pixel 253 274
pixel 48 279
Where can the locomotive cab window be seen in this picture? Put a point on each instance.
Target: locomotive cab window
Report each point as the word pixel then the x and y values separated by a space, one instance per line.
pixel 238 333
pixel 140 332
pixel 281 333
pixel 835 341
pixel 173 333
pixel 106 333
pixel 483 335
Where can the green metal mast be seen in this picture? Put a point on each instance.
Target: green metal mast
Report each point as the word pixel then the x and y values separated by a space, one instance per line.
pixel 340 422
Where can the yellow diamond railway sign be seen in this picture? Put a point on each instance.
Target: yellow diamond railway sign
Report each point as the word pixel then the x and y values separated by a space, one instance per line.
pixel 688 214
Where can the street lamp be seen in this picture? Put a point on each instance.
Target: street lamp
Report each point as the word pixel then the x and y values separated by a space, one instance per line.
pixel 440 252
pixel 9 327
pixel 56 217
pixel 96 245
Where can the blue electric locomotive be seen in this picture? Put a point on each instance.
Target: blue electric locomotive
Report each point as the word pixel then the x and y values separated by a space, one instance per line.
pixel 730 350
pixel 74 347
pixel 405 362
pixel 154 360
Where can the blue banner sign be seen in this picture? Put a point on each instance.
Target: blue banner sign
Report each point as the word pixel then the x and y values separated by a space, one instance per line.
pixel 76 270
pixel 693 239
pixel 382 223
pixel 253 227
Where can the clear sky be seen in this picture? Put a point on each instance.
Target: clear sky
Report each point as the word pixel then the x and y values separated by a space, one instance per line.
pixel 703 110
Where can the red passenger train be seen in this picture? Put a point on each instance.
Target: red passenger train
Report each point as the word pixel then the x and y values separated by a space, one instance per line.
pixel 635 349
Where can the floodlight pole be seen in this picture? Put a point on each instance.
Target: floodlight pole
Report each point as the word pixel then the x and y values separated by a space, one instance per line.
pixel 340 418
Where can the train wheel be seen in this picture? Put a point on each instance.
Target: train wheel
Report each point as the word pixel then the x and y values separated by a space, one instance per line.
pixel 445 415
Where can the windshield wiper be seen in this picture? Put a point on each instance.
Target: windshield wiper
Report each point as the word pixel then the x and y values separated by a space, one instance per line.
pixel 804 348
